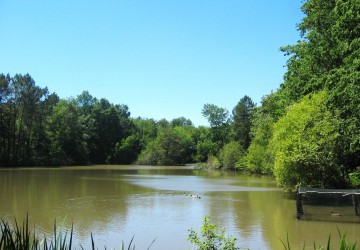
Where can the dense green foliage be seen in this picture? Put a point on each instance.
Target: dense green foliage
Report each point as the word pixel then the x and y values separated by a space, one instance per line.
pixel 38 128
pixel 210 238
pixel 305 133
pixel 326 59
pixel 242 116
pixel 304 145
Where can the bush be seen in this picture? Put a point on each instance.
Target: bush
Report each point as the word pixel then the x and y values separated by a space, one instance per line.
pixel 231 154
pixel 210 238
pixel 213 162
pixel 355 179
pixel 305 144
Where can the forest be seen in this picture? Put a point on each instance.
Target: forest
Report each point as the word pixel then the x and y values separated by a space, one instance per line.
pixel 307 132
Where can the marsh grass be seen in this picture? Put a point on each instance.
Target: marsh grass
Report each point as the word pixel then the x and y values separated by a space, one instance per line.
pixel 21 238
pixel 344 244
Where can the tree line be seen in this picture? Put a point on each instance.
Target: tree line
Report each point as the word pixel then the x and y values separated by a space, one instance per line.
pixel 39 129
pixel 307 132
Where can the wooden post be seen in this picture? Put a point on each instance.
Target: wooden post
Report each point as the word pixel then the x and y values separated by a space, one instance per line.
pixel 299 209
pixel 355 198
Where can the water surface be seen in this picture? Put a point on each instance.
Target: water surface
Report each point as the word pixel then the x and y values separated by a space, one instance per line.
pixel 114 203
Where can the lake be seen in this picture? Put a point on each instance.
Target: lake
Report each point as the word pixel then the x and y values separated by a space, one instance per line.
pixel 115 203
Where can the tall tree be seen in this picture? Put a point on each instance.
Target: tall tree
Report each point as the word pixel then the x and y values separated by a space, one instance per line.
pixel 64 133
pixel 219 124
pixel 258 156
pixel 5 118
pixel 146 130
pixel 86 105
pixel 181 121
pixel 41 141
pixel 330 34
pixel 242 121
pixel 273 106
pixel 327 57
pixel 204 144
pixel 111 126
pixel 172 146
pixel 21 118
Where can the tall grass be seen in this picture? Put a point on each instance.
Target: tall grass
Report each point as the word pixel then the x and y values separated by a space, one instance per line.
pixel 344 244
pixel 21 238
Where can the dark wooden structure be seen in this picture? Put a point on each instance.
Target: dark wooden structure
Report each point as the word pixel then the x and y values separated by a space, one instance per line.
pixel 332 198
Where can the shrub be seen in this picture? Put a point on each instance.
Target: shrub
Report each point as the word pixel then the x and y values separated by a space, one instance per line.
pixel 355 179
pixel 210 238
pixel 213 162
pixel 231 154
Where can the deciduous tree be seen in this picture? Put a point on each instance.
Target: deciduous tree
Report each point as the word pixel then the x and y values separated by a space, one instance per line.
pixel 304 145
pixel 219 124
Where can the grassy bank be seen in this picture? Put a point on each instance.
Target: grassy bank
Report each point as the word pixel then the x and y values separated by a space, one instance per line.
pixel 21 237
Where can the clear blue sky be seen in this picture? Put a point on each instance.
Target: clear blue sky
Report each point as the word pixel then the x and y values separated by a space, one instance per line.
pixel 162 58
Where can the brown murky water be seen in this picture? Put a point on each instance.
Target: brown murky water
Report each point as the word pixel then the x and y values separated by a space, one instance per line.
pixel 114 203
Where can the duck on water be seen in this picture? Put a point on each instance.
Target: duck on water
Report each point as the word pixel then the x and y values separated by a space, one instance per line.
pixel 193 196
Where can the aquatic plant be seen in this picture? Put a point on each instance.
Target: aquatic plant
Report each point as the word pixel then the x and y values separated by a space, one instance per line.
pixel 344 244
pixel 210 238
pixel 21 238
pixel 17 238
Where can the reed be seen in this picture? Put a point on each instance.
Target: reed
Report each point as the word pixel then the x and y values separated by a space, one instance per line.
pixel 344 244
pixel 21 238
